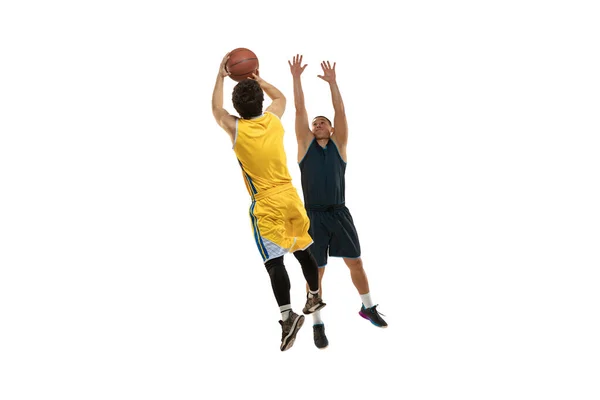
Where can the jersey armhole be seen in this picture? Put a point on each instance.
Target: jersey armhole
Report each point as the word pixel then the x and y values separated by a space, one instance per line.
pixel 235 134
pixel 307 148
pixel 337 149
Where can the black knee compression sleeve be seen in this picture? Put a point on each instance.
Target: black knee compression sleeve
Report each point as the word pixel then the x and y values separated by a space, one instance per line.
pixel 310 268
pixel 280 281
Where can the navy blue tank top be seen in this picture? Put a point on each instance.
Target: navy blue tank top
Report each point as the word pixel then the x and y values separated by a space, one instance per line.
pixel 322 172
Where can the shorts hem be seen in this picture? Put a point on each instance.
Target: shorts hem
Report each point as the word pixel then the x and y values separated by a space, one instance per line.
pixel 310 244
pixel 353 258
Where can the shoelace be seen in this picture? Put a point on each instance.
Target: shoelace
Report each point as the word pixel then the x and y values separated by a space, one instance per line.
pixel 374 308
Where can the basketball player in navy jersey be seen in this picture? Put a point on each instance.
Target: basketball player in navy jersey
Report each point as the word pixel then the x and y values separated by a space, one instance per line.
pixel 322 161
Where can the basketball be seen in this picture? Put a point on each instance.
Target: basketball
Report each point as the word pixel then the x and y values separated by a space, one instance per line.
pixel 242 64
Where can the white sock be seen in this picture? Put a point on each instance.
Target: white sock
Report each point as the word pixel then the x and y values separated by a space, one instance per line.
pixel 312 293
pixel 366 300
pixel 285 310
pixel 317 318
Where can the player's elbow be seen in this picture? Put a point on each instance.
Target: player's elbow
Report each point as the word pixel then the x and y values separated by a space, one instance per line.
pixel 281 102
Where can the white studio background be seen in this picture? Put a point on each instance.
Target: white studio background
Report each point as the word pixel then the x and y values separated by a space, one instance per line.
pixel 128 267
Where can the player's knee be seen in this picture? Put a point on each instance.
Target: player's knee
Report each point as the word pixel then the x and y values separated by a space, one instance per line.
pixel 300 255
pixel 353 263
pixel 305 257
pixel 273 264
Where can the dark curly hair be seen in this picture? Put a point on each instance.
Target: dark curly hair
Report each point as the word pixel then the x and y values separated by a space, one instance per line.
pixel 248 98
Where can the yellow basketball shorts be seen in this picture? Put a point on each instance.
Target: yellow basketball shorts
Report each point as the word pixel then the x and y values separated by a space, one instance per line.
pixel 279 222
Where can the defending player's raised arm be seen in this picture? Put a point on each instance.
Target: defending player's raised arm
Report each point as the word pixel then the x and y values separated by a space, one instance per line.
pixel 340 124
pixel 223 118
pixel 278 100
pixel 303 132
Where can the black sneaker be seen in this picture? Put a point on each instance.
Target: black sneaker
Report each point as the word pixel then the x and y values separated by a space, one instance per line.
pixel 373 315
pixel 290 328
pixel 319 335
pixel 313 304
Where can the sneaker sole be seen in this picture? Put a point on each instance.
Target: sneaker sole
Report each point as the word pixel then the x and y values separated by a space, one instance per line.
pixel 288 342
pixel 370 320
pixel 316 308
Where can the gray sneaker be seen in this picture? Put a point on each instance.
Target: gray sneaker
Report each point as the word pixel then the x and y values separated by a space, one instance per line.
pixel 290 328
pixel 313 304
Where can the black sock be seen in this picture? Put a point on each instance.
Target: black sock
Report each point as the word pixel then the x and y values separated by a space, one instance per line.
pixel 310 269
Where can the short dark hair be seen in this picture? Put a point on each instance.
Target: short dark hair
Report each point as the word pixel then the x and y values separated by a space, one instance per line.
pixel 248 98
pixel 321 116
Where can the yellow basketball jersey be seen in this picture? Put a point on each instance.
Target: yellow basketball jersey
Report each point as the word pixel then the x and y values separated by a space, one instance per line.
pixel 259 148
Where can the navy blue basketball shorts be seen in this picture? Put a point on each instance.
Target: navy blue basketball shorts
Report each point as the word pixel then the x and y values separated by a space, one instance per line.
pixel 333 233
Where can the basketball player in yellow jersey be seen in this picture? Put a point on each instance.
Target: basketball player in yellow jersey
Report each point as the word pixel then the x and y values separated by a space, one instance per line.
pixel 278 218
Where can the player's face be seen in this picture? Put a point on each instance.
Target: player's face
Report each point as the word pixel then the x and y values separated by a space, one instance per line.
pixel 321 128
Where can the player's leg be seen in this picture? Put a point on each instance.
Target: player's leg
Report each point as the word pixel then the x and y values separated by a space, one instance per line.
pixel 280 282
pixel 319 336
pixel 314 302
pixel 321 273
pixel 368 310
pixel 359 278
pixel 317 319
pixel 346 244
pixel 269 235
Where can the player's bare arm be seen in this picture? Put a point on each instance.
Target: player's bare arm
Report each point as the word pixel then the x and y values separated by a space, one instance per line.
pixel 278 100
pixel 340 124
pixel 303 133
pixel 223 118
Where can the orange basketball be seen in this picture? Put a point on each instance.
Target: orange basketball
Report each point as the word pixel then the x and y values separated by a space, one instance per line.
pixel 242 64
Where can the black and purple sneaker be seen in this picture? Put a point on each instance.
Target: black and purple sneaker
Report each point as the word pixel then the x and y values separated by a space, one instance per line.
pixel 373 315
